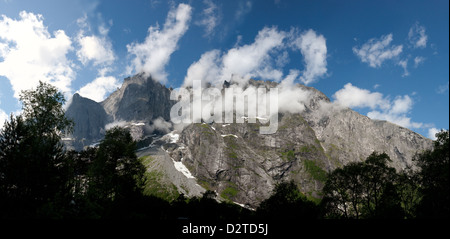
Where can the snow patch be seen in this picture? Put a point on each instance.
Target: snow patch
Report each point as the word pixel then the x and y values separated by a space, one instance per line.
pixel 173 137
pixel 181 168
pixel 240 204
pixel 226 135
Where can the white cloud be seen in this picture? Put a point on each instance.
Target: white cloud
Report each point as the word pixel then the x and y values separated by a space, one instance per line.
pixel 154 53
pixel 442 88
pixel 404 64
pixel 96 49
pixel 253 60
pixel 395 111
pixel 30 54
pixel 98 89
pixel 417 36
pixel 418 60
pixel 161 125
pixel 211 17
pixel 432 133
pixel 401 119
pixel 3 118
pixel 401 105
pixel 240 63
pixel 290 97
pixel 376 51
pixel 206 69
pixel 314 50
pixel 354 97
pixel 264 59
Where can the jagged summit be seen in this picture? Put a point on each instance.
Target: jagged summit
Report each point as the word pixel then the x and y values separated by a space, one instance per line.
pixel 139 98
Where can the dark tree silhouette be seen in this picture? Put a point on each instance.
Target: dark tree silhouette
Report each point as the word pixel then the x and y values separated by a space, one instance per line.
pixel 434 179
pixel 116 175
pixel 363 190
pixel 31 155
pixel 287 203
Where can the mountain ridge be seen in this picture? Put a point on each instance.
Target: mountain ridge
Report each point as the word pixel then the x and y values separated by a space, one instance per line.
pixel 236 161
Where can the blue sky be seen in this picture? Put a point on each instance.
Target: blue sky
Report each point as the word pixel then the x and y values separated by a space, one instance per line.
pixel 385 59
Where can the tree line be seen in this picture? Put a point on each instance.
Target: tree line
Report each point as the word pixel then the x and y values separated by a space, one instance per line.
pixel 40 179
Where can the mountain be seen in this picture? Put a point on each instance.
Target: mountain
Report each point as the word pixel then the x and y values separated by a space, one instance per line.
pixel 136 104
pixel 235 160
pixel 139 99
pixel 90 119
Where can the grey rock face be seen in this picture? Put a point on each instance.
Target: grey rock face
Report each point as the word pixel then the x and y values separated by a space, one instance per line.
pixel 139 99
pixel 236 161
pixel 348 136
pixel 90 119
pixel 243 166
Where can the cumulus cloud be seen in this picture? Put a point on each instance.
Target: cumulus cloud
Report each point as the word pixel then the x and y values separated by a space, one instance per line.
pixel 354 97
pixel 154 53
pixel 29 54
pixel 98 89
pixel 252 60
pixel 417 36
pixel 264 58
pixel 96 49
pixel 206 69
pixel 241 62
pixel 210 17
pixel 376 51
pixel 314 50
pixel 395 111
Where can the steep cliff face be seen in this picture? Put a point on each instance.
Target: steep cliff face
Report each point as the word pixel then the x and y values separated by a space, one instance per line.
pixel 235 160
pixel 243 166
pixel 139 99
pixel 90 119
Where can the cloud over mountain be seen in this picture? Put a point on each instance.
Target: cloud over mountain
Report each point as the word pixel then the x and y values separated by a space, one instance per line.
pixel 314 50
pixel 382 108
pixel 264 58
pixel 152 55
